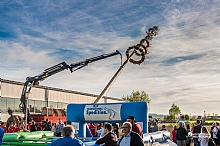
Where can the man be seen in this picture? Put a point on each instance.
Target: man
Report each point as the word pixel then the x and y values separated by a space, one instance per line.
pixel 59 128
pixel 130 138
pixel 48 126
pixel 181 134
pixel 163 128
pixel 110 138
pixel 67 140
pixel 75 131
pixel 100 132
pixel 155 128
pixel 196 131
pixel 11 119
pixel 135 127
pixel 1 135
pixel 215 131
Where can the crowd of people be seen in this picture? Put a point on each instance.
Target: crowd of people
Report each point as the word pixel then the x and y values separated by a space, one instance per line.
pixel 107 133
pixel 198 134
pixel 132 134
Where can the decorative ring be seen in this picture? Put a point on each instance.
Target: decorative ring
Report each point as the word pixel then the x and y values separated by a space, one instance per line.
pixel 138 48
pixel 141 49
pixel 127 51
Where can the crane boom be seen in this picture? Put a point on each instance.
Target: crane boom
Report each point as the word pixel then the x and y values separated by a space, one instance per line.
pixel 31 81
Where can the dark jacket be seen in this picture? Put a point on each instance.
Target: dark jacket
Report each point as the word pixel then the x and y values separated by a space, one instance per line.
pixel 196 131
pixel 109 139
pixel 181 133
pixel 136 140
pixel 33 128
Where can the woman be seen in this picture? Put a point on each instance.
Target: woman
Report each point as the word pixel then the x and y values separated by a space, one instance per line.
pixel 188 138
pixel 174 134
pixel 204 137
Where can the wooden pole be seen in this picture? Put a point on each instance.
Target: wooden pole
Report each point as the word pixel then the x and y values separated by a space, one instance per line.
pixel 113 78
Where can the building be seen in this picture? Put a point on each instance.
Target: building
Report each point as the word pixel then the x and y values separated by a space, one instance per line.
pixel 41 96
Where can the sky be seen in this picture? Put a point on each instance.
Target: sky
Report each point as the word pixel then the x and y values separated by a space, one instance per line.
pixel 182 67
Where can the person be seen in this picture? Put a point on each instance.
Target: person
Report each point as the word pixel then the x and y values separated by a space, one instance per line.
pixel 110 138
pixel 214 134
pixel 196 131
pixel 92 129
pixel 135 126
pixel 67 140
pixel 188 138
pixel 115 129
pixel 129 137
pixel 155 128
pixel 75 131
pixel 163 128
pixel 33 126
pixel 12 128
pixel 22 128
pixel 100 132
pixel 48 126
pixel 204 137
pixel 47 121
pixel 181 134
pixel 39 127
pixel 192 128
pixel 1 135
pixel 11 119
pixel 3 126
pixel 59 128
pixel 54 128
pixel 149 127
pixel 174 134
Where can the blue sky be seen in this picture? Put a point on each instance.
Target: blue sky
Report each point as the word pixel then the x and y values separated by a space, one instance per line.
pixel 182 67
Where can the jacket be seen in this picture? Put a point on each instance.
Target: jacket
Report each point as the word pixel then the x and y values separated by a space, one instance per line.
pixel 136 140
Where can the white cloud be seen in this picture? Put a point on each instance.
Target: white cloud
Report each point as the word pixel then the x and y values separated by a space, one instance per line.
pixel 182 66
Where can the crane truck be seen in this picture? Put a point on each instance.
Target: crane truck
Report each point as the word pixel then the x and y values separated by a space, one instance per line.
pixel 32 81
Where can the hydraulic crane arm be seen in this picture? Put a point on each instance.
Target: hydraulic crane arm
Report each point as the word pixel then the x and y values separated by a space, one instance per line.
pixel 81 64
pixel 30 81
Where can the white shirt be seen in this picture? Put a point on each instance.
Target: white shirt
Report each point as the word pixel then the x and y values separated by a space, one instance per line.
pixel 215 129
pixel 204 139
pixel 54 129
pixel 125 140
pixel 101 132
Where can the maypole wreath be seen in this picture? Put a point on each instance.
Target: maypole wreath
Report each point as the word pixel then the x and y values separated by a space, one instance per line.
pixel 141 49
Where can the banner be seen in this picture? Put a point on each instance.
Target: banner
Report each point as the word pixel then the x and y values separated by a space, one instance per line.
pixel 102 112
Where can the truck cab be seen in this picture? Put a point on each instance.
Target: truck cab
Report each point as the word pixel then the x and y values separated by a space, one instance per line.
pixel 52 114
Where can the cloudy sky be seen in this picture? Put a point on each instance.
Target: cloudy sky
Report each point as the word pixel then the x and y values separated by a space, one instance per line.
pixel 183 66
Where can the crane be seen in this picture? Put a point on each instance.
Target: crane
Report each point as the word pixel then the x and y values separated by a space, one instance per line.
pixel 31 81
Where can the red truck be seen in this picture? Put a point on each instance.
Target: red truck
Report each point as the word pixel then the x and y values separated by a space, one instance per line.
pixel 52 114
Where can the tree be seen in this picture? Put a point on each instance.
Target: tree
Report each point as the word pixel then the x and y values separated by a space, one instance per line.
pixel 174 110
pixel 187 117
pixel 137 96
pixel 170 117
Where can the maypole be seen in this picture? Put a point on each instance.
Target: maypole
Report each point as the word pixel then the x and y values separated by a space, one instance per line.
pixel 140 50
